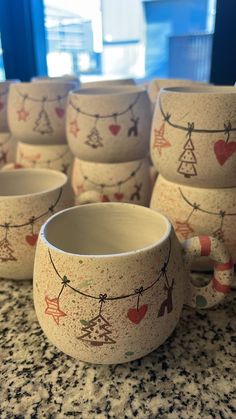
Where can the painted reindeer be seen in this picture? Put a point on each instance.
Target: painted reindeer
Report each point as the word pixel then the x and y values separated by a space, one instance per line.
pixel 167 303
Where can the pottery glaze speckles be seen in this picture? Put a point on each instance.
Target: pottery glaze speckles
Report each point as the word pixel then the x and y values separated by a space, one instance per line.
pixel 109 124
pixel 36 111
pixel 110 279
pixel 104 182
pixel 27 199
pixel 56 157
pixel 190 124
pixel 198 211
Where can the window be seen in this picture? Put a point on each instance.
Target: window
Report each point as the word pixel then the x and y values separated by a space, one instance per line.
pixel 2 71
pixel 130 38
pixel 102 38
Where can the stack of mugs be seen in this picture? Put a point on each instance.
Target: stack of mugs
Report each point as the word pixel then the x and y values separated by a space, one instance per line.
pixel 193 147
pixel 28 197
pixel 108 130
pixel 7 146
pixel 36 118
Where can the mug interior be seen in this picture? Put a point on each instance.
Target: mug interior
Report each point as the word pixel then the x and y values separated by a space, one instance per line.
pixel 208 89
pixel 30 181
pixel 105 229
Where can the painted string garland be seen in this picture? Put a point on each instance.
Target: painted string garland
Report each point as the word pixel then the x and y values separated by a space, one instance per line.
pixel 97 331
pixel 118 194
pixel 42 124
pixel 33 161
pixel 94 139
pixel 6 249
pixel 185 229
pixel 223 147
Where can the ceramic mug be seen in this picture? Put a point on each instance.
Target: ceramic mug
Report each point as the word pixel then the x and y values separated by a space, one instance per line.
pixel 56 156
pixel 4 91
pixel 110 280
pixel 104 182
pixel 193 136
pixel 109 124
pixel 113 82
pixel 27 198
pixel 36 111
pixel 198 211
pixel 7 148
pixel 67 77
pixel 155 85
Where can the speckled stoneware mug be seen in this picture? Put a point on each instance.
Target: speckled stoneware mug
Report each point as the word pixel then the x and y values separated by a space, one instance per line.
pixel 119 182
pixel 113 82
pixel 198 211
pixel 193 135
pixel 7 148
pixel 27 198
pixel 109 124
pixel 36 111
pixel 56 156
pixel 4 91
pixel 110 280
pixel 155 85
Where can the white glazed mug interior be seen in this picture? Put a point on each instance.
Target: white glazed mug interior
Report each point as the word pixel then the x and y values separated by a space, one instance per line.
pixel 105 229
pixel 30 182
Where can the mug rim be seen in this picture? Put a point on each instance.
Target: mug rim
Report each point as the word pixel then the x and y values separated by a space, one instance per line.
pixel 33 85
pixel 44 146
pixel 77 160
pixel 203 90
pixel 16 173
pixel 108 91
pixel 155 244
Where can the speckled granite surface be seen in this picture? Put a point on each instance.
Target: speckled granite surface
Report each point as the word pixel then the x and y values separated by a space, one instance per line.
pixel 191 376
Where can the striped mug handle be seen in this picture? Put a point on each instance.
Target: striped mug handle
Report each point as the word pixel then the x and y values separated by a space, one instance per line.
pixel 220 284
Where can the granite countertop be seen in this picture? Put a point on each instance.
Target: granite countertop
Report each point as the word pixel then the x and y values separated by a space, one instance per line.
pixel 191 376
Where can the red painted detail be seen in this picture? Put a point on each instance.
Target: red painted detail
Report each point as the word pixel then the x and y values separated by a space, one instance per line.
pixel 136 315
pixel 114 128
pixel 224 151
pixel 224 266
pixel 217 286
pixel 205 243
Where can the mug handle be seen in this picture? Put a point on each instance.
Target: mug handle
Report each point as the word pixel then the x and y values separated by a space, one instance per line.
pixel 220 284
pixel 88 197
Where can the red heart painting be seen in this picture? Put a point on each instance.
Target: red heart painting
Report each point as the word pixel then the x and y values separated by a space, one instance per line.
pixel 1 105
pixel 119 196
pixel 135 315
pixel 32 239
pixel 60 112
pixel 114 128
pixel 105 198
pixel 224 151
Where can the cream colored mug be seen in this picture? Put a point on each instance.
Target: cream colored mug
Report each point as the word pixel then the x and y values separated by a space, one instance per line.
pixel 28 197
pixel 109 124
pixel 198 211
pixel 56 156
pixel 193 135
pixel 110 280
pixel 36 111
pixel 118 182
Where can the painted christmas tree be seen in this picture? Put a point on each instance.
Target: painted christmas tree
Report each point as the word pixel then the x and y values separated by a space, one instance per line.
pixel 42 123
pixel 6 252
pixel 94 139
pixel 97 332
pixel 188 160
